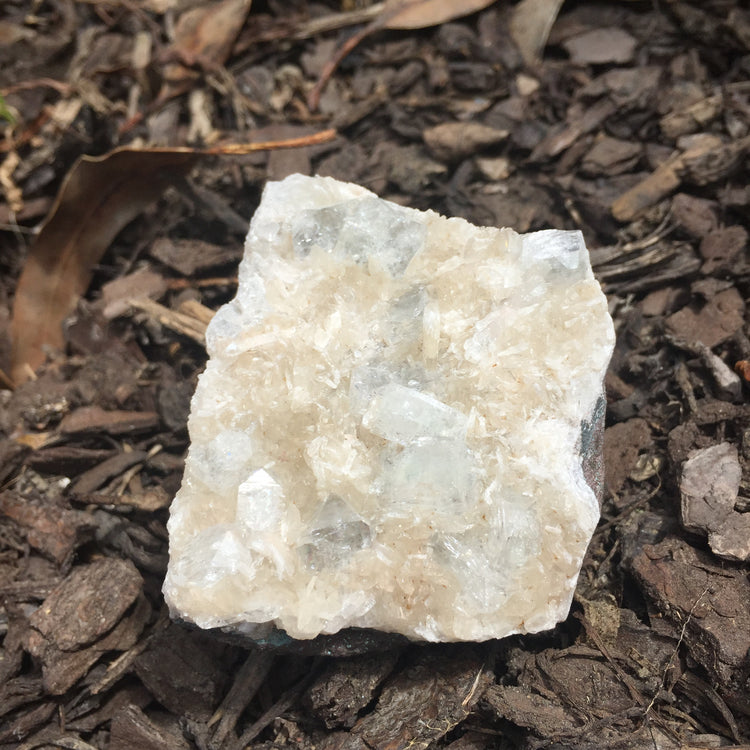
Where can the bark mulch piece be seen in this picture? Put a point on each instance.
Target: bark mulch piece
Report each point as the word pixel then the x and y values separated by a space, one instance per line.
pixel 708 600
pixel 53 530
pixel 83 618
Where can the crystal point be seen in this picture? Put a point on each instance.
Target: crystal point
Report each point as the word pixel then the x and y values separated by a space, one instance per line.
pixel 396 428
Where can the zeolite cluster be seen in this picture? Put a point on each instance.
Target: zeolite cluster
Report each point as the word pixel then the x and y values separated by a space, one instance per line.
pixel 389 431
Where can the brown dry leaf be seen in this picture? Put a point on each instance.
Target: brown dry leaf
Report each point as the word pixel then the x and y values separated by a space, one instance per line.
pixel 204 36
pixel 98 197
pixel 420 14
pixel 531 24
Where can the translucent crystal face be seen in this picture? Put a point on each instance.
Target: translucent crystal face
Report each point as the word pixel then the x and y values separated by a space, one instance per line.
pixel 387 433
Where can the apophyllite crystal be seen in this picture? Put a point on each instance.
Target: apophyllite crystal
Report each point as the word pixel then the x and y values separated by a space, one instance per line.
pixel 391 429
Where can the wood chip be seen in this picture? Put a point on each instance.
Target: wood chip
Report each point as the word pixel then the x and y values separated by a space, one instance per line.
pixel 422 704
pixel 525 709
pixel 705 159
pixel 184 671
pixel 92 419
pixel 189 257
pixel 54 531
pixel 715 322
pixel 12 455
pixel 692 118
pixel 131 728
pixel 605 45
pixel 696 592
pixel 183 323
pixel 611 156
pixel 246 684
pixel 94 478
pixel 697 216
pixel 83 619
pixel 580 121
pixel 457 140
pixel 66 459
pixel 721 247
pixel 88 603
pixel 116 295
pixel 347 686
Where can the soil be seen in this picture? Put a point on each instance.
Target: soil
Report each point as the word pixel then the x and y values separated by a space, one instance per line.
pixel 633 126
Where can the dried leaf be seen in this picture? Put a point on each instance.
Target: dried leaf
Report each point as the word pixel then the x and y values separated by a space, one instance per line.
pixel 205 36
pixel 531 24
pixel 99 196
pixel 420 14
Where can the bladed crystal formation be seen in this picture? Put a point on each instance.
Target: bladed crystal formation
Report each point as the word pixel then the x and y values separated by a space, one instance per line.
pixel 390 432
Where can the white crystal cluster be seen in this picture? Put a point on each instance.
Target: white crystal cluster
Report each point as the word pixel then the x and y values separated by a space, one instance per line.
pixel 388 431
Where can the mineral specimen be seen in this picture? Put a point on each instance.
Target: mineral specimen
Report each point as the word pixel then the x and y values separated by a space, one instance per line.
pixel 391 427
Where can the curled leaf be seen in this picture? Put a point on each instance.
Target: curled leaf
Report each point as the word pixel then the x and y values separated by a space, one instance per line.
pixel 203 35
pixel 98 197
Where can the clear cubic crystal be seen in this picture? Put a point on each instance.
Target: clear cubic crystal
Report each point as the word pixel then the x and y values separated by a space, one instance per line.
pixel 403 415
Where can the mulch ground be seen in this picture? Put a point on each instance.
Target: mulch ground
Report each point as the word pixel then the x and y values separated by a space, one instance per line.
pixel 634 127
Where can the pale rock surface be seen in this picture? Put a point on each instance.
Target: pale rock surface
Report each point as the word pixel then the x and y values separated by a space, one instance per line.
pixel 388 433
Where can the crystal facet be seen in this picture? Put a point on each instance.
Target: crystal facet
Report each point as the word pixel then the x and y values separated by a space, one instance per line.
pixel 391 430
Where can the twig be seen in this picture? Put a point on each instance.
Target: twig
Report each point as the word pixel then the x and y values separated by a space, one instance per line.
pixel 178 284
pixel 125 478
pixel 467 700
pixel 675 652
pixel 626 680
pixel 250 148
pixel 334 21
pixel 187 325
pixel 282 704
pixel 243 690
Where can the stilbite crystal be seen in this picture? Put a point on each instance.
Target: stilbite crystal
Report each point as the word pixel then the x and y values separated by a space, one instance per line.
pixel 391 427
